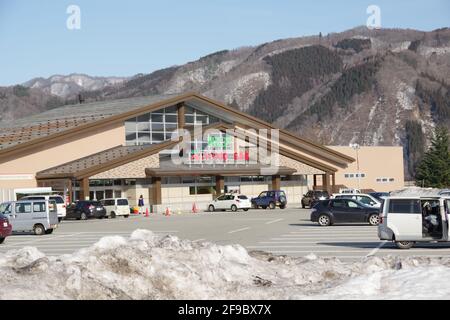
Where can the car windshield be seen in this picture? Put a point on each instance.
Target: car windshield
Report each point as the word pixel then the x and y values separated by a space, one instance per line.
pixel 5 207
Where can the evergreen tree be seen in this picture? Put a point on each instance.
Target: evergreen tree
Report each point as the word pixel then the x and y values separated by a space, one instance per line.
pixel 434 169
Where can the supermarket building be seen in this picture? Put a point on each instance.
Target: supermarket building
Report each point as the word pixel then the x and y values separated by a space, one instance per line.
pixel 126 148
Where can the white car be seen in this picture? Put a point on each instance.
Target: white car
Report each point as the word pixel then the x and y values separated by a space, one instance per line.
pixel 366 199
pixel 116 207
pixel 233 202
pixel 60 204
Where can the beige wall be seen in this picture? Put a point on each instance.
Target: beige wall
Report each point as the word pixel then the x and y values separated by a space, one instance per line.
pixel 374 162
pixel 57 153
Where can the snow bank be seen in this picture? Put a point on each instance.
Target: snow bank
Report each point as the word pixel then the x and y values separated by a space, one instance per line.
pixel 147 266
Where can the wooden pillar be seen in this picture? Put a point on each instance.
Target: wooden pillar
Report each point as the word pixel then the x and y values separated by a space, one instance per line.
pixel 181 115
pixel 156 181
pixel 70 191
pixel 326 182
pixel 315 182
pixel 276 182
pixel 220 185
pixel 333 183
pixel 84 189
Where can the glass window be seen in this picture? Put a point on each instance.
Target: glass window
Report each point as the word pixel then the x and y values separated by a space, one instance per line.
pixel 38 207
pixel 122 202
pixel 157 117
pixel 58 200
pixel 411 206
pixel 157 126
pixel 143 137
pixel 143 118
pixel 130 125
pixel 263 194
pixel 242 197
pixel 339 203
pixel 171 118
pixel 23 207
pixel 5 208
pixel 143 126
pixel 352 204
pixel 158 136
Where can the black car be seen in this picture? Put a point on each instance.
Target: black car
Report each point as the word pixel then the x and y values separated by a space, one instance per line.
pixel 313 196
pixel 85 209
pixel 328 212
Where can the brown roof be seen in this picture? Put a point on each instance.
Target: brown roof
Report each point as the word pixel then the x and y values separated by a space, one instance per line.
pixel 102 161
pixel 209 170
pixel 37 132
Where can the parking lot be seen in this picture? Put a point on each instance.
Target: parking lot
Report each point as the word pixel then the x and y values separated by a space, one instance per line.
pixel 284 232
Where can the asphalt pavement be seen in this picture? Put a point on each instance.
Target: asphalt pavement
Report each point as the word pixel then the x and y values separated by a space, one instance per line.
pixel 284 232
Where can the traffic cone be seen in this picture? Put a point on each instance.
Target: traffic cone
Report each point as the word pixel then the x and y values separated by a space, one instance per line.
pixel 146 212
pixel 194 208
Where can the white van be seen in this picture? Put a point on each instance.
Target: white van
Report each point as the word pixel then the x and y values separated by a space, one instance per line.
pixel 406 220
pixel 60 204
pixel 116 207
pixel 38 216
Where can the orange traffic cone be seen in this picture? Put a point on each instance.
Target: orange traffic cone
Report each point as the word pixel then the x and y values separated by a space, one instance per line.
pixel 194 208
pixel 146 212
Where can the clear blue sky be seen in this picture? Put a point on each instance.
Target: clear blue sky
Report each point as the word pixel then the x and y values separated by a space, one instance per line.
pixel 123 38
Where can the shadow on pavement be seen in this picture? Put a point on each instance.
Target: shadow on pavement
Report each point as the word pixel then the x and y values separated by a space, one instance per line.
pixel 313 224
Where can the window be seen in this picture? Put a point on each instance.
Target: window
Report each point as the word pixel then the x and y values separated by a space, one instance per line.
pixel 5 208
pixel 242 197
pixel 339 203
pixel 411 206
pixel 263 194
pixel 153 127
pixel 58 200
pixel 23 207
pixel 39 207
pixel 385 180
pixel 365 200
pixel 354 175
pixel 122 202
pixel 352 204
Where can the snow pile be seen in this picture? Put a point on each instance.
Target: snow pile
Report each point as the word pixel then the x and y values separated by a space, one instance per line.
pixel 147 266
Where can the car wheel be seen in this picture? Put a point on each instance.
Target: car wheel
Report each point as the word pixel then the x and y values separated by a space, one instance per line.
pixel 39 230
pixel 254 206
pixel 234 208
pixel 2 240
pixel 283 206
pixel 127 216
pixel 264 207
pixel 211 208
pixel 113 215
pixel 83 216
pixel 49 231
pixel 324 220
pixel 245 210
pixel 303 206
pixel 271 205
pixel 404 244
pixel 374 219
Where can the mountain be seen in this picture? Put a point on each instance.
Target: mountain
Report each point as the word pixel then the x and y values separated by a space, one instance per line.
pixel 70 85
pixel 372 87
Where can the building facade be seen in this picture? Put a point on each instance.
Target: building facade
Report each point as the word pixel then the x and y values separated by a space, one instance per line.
pixel 174 150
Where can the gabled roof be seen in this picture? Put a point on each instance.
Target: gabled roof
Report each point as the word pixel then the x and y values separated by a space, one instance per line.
pixel 103 161
pixel 100 114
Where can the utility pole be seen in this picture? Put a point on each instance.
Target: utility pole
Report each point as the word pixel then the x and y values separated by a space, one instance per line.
pixel 356 147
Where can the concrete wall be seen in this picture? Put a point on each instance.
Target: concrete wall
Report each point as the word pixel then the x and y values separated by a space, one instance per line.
pixel 374 162
pixel 57 153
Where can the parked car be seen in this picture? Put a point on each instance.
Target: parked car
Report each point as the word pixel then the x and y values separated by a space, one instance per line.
pixel 329 212
pixel 345 190
pixel 233 202
pixel 364 198
pixel 85 209
pixel 380 196
pixel 60 203
pixel 5 228
pixel 39 216
pixel 116 207
pixel 407 220
pixel 270 199
pixel 312 196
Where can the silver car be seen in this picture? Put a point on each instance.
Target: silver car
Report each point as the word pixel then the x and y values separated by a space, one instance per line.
pixel 38 216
